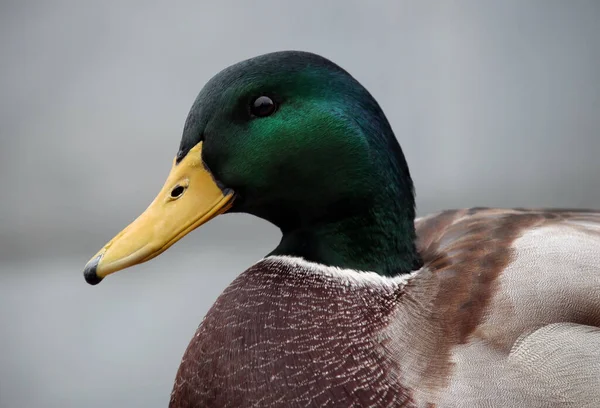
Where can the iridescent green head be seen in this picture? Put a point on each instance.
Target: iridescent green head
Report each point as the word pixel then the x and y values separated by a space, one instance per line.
pixel 293 138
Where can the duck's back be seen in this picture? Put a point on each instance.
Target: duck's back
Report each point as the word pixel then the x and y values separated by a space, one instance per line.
pixel 515 308
pixel 504 313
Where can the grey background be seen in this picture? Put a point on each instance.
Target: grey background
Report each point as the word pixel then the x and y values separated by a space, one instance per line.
pixel 494 103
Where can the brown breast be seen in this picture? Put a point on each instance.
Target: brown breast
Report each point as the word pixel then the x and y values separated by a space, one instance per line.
pixel 283 335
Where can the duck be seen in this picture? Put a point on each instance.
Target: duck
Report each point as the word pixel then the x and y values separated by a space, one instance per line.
pixel 362 304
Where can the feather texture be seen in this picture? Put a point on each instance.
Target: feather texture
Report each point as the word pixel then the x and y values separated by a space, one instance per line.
pixel 505 312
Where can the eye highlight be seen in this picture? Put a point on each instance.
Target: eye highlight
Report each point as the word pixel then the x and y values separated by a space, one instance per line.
pixel 262 106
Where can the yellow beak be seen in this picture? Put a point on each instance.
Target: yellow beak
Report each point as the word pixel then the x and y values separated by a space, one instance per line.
pixel 189 198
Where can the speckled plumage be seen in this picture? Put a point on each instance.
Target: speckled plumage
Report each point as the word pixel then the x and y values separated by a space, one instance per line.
pixel 460 332
pixel 276 334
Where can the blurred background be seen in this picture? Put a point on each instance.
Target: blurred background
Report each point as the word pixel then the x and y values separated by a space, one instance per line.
pixel 494 104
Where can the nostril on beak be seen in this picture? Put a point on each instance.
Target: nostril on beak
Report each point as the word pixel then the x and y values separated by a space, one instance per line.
pixel 177 191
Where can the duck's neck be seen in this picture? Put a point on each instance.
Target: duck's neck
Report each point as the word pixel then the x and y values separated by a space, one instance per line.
pixel 359 210
pixel 380 238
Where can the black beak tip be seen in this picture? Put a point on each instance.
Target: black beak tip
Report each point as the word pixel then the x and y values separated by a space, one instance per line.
pixel 89 273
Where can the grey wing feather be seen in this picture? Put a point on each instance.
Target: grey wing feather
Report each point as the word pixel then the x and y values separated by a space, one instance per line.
pixel 564 358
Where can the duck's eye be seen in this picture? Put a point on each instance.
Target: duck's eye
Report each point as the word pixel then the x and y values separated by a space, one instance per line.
pixel 177 191
pixel 262 106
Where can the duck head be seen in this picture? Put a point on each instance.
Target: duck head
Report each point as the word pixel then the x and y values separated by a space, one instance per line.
pixel 294 139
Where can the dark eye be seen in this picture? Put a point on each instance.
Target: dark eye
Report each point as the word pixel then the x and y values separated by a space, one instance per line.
pixel 262 106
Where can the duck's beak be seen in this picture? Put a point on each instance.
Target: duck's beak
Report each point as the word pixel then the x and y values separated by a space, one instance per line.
pixel 189 198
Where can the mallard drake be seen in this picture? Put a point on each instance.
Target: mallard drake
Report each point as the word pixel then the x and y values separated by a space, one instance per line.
pixel 361 305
